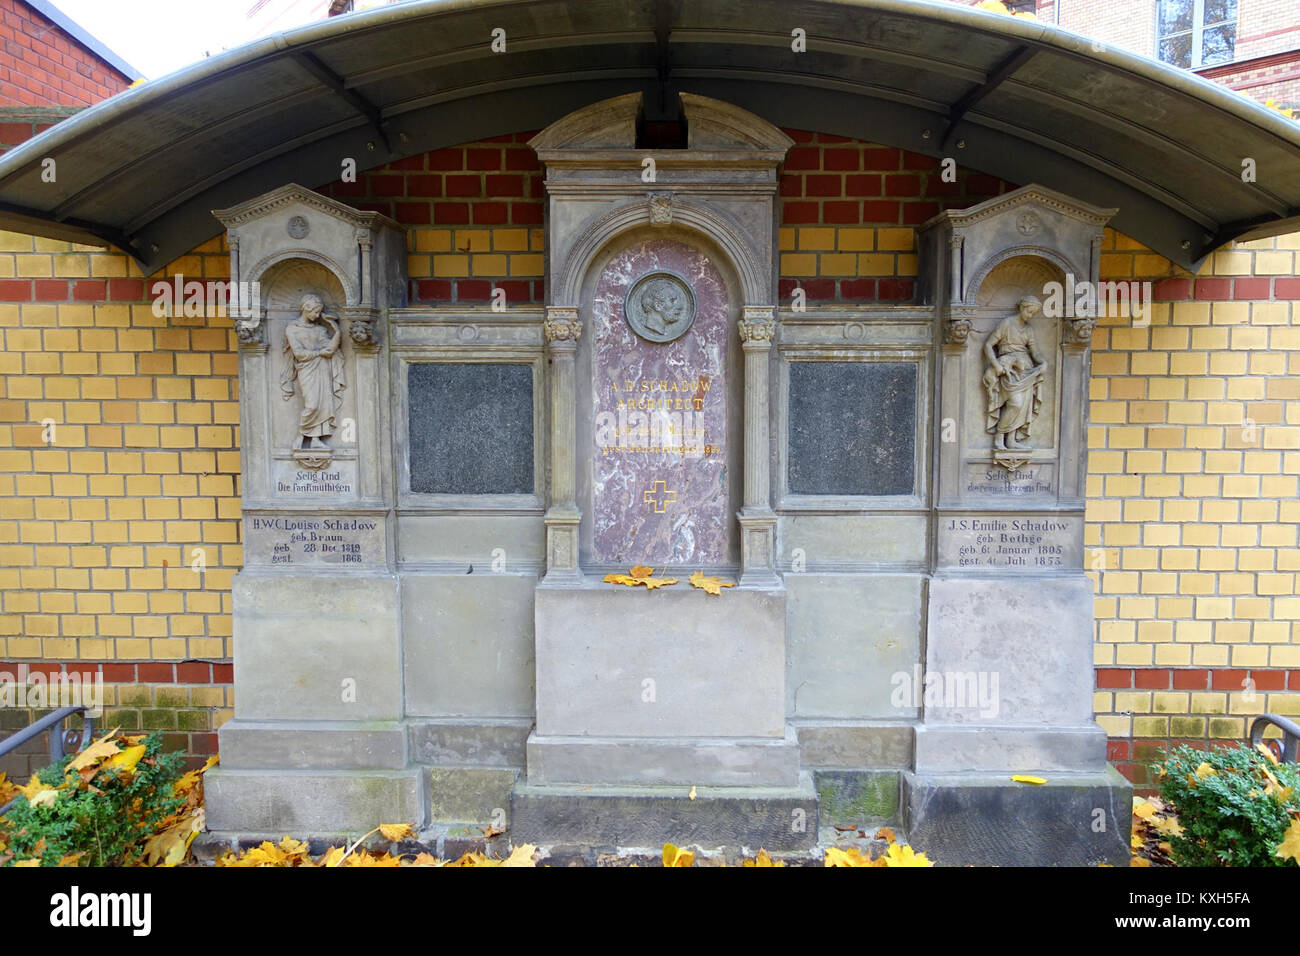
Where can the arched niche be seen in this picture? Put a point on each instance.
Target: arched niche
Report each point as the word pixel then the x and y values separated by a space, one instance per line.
pixel 1015 276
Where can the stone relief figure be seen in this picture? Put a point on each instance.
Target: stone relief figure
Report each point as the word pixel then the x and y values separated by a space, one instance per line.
pixel 662 305
pixel 1013 380
pixel 314 362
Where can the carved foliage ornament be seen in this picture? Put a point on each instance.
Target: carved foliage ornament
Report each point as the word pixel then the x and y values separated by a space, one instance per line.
pixel 661 209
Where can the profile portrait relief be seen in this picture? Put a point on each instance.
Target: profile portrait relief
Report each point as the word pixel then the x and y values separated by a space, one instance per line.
pixel 660 307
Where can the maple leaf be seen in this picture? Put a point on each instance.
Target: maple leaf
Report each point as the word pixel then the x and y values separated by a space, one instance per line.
pixel 675 856
pixel 423 859
pixel 1142 809
pixel 71 859
pixel 1289 848
pixel 101 748
pixel 1139 861
pixel 1205 770
pixel 1267 752
pixel 44 798
pixel 641 571
pixel 1167 826
pixel 905 856
pixel 332 856
pixel 396 831
pixel 641 575
pixel 652 583
pixel 709 585
pixel 851 857
pixel 886 833
pixel 125 759
pixel 764 859
pixel 8 789
pixel 521 855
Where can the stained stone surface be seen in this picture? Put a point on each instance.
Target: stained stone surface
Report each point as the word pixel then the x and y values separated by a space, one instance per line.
pixel 660 418
pixel 852 428
pixel 471 428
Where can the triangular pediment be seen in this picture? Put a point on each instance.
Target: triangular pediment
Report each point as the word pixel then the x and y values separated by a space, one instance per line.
pixel 294 196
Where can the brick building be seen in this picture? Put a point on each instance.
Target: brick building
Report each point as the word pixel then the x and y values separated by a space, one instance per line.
pixel 1194 434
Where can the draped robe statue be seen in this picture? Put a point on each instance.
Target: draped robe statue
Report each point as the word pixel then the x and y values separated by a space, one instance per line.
pixel 314 364
pixel 1013 380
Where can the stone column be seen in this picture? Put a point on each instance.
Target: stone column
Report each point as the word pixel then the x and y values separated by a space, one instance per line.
pixel 562 515
pixel 757 520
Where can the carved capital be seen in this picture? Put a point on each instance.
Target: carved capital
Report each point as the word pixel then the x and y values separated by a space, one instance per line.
pixel 362 327
pixel 562 325
pixel 1079 331
pixel 251 333
pixel 760 331
pixel 956 331
pixel 661 208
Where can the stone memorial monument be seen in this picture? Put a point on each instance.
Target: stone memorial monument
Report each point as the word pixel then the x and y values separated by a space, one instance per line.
pixel 424 629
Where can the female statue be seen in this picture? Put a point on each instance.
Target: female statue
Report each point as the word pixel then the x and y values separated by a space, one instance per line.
pixel 314 361
pixel 1013 380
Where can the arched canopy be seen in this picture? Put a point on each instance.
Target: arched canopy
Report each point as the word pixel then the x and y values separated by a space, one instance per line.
pixel 1014 98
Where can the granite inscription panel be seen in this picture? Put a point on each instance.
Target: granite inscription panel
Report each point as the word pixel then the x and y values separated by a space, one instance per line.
pixel 471 428
pixel 852 428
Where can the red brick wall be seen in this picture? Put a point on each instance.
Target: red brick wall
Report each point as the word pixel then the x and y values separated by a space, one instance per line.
pixel 40 65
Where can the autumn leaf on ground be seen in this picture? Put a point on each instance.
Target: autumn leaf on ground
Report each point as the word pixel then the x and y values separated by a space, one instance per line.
pixel 763 859
pixel 675 856
pixel 491 831
pixel 1289 848
pixel 8 789
pixel 886 833
pixel 641 571
pixel 709 585
pixel 44 798
pixel 1167 826
pixel 396 831
pixel 1205 770
pixel 1139 861
pixel 1023 778
pixel 421 859
pixel 1267 752
pixel 905 856
pixel 33 787
pixel 125 759
pixel 1142 809
pixel 521 855
pixel 851 857
pixel 633 581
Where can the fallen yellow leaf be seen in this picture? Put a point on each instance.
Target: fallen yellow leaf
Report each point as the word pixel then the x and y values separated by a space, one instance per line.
pixel 886 833
pixel 396 831
pixel 126 759
pixel 691 795
pixel 521 855
pixel 1205 770
pixel 1267 752
pixel 709 585
pixel 641 571
pixel 1142 809
pixel 905 856
pixel 675 856
pixel 1022 778
pixel 1289 848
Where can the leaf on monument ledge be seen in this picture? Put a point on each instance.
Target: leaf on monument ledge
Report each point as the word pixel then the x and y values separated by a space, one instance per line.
pixel 521 855
pixel 887 834
pixel 851 857
pixel 905 856
pixel 691 795
pixel 764 859
pixel 640 575
pixel 709 585
pixel 1023 778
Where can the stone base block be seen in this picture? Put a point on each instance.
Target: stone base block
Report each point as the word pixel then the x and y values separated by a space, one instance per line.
pixel 470 742
pixel 301 803
pixel 855 746
pixel 675 662
pixel 778 818
pixel 721 762
pixel 949 749
pixel 861 798
pixel 470 794
pixel 311 745
pixel 989 820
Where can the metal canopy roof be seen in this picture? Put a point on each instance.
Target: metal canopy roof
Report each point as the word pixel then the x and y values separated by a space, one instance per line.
pixel 1030 103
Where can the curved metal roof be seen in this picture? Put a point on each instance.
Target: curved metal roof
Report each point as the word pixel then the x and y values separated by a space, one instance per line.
pixel 1018 99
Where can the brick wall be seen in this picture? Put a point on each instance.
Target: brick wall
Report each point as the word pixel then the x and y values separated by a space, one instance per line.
pixel 102 520
pixel 1192 512
pixel 40 65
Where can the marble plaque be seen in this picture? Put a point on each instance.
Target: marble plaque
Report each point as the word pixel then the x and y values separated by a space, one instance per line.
pixel 852 428
pixel 1023 542
pixel 471 428
pixel 295 540
pixel 659 417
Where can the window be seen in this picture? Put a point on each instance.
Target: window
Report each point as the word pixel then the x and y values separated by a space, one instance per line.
pixel 1196 33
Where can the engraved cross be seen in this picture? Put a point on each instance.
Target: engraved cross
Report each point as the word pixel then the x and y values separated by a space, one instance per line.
pixel 658 496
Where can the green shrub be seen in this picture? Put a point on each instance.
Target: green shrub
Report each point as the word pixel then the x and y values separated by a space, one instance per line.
pixel 1233 804
pixel 105 818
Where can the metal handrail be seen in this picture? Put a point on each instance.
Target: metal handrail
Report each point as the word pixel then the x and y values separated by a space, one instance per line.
pixel 1290 734
pixel 53 722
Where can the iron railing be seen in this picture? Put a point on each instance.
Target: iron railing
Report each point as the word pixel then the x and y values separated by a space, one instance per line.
pixel 60 738
pixel 1290 734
